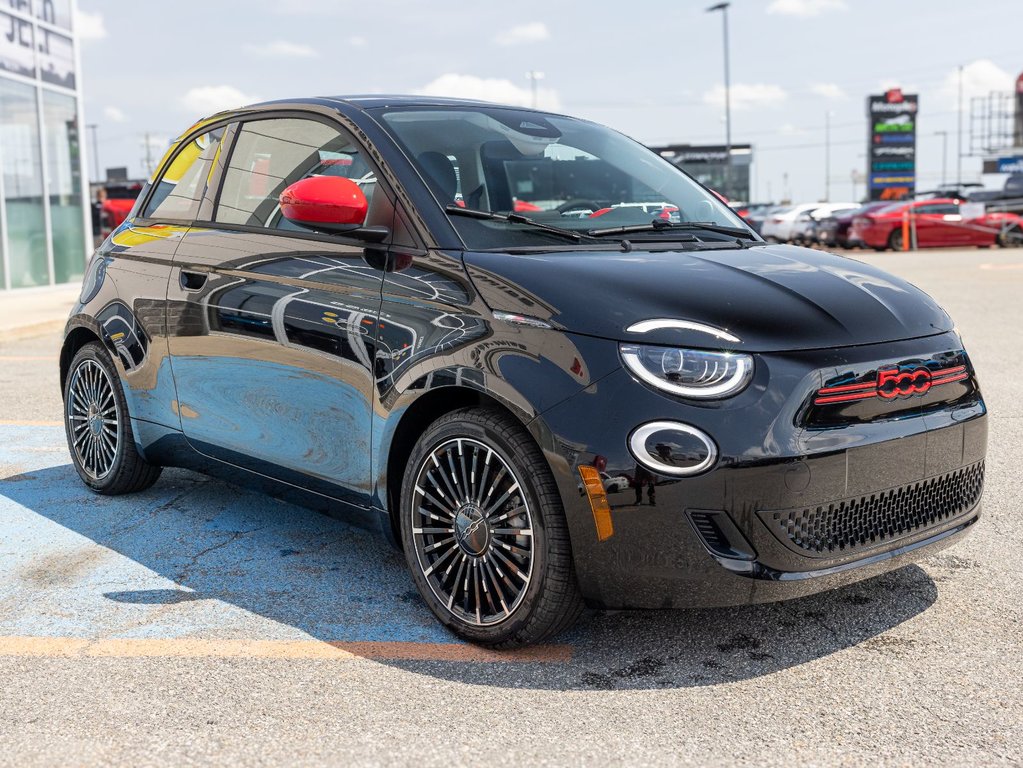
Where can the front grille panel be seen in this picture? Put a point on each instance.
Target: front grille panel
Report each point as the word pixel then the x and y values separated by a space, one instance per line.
pixel 843 527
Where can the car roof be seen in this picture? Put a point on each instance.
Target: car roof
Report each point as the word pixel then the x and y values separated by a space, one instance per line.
pixel 364 102
pixel 374 100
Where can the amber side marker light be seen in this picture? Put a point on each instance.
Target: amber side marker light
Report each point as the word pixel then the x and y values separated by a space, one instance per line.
pixel 595 492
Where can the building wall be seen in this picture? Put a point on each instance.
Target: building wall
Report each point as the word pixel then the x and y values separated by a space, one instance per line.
pixel 44 224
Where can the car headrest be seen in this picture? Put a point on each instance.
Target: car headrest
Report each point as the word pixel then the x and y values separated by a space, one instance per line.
pixel 440 175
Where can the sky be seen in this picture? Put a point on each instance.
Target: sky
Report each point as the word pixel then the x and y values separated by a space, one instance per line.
pixel 654 71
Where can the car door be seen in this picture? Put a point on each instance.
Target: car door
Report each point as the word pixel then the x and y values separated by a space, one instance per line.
pixel 134 265
pixel 953 229
pixel 274 341
pixel 939 224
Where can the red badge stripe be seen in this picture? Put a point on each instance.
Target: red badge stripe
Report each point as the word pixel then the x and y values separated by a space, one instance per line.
pixel 848 393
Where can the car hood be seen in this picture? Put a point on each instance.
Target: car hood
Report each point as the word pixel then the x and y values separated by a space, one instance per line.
pixel 773 298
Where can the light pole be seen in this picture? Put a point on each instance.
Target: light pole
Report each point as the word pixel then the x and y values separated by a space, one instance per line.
pixel 944 152
pixel 533 76
pixel 92 128
pixel 727 192
pixel 959 134
pixel 827 156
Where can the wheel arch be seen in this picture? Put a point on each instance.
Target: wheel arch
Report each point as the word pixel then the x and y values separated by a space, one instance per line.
pixel 75 339
pixel 417 416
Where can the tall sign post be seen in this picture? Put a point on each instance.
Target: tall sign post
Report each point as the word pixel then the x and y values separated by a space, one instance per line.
pixel 891 149
pixel 1018 123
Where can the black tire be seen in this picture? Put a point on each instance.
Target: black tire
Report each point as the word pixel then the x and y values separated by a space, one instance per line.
pixel 537 593
pixel 895 240
pixel 1011 238
pixel 98 427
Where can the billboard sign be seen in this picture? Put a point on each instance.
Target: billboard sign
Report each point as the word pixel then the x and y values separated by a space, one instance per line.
pixel 1010 164
pixel 891 149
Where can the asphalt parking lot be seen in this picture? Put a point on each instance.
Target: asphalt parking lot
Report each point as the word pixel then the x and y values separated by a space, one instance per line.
pixel 199 623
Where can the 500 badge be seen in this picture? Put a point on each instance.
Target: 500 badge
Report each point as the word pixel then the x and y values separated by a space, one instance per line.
pixel 891 383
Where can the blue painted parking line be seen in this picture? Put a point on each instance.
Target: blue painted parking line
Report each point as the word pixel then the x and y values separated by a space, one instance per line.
pixel 194 560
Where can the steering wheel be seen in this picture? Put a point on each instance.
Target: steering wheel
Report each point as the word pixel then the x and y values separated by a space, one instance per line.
pixel 576 204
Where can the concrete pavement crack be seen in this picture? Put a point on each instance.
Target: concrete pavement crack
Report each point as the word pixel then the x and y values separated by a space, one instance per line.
pixel 162 508
pixel 182 576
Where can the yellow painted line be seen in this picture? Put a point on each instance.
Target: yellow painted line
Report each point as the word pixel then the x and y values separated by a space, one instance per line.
pixel 71 647
pixel 31 423
pixel 27 358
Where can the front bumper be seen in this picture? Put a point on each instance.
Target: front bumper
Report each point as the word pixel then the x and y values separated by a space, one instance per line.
pixel 770 463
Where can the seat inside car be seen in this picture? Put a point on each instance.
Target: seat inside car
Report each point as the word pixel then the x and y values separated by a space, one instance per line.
pixel 440 175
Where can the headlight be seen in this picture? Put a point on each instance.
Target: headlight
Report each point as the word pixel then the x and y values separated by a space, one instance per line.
pixel 689 372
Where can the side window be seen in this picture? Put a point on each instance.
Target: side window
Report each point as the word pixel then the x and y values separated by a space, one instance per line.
pixel 270 155
pixel 937 208
pixel 179 191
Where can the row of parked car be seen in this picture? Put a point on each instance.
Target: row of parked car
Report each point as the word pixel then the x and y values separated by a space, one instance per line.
pixel 934 221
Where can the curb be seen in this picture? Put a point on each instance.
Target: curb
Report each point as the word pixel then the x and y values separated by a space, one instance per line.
pixel 31 331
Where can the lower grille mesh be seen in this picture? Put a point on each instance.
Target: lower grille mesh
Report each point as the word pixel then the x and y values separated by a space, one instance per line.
pixel 852 524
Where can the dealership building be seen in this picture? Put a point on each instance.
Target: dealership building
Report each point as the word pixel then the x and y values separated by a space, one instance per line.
pixel 725 169
pixel 44 211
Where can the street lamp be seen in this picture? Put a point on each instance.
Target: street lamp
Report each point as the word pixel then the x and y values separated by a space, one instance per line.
pixel 723 7
pixel 944 152
pixel 827 156
pixel 533 76
pixel 92 128
pixel 959 135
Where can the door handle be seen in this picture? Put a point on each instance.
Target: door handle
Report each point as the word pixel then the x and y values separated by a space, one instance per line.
pixel 193 281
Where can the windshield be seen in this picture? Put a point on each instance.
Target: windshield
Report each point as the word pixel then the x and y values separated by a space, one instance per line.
pixel 556 170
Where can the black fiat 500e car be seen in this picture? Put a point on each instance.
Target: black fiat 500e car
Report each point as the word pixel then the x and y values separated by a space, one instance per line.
pixel 554 369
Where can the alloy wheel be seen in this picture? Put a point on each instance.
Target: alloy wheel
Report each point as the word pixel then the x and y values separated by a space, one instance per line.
pixel 1011 238
pixel 93 420
pixel 472 531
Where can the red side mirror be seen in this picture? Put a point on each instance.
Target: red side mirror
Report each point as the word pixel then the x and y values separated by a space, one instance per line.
pixel 329 200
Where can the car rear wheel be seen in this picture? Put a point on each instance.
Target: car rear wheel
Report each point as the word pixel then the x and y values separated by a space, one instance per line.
pixel 484 531
pixel 895 240
pixel 98 427
pixel 1011 238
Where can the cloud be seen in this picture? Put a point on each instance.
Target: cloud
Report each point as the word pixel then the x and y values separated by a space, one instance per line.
pixel 89 26
pixel 208 99
pixel 806 8
pixel 114 115
pixel 534 32
pixel 980 78
pixel 788 129
pixel 282 49
pixel 357 41
pixel 829 91
pixel 746 95
pixel 489 89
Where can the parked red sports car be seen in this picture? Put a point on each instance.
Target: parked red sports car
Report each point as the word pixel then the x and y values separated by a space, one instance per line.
pixel 939 222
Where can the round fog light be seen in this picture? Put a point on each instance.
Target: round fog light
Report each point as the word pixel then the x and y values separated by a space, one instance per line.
pixel 672 448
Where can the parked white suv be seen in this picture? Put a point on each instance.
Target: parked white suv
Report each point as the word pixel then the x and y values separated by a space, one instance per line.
pixel 780 225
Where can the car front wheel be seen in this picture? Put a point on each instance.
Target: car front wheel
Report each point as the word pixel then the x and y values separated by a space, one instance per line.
pixel 98 428
pixel 485 534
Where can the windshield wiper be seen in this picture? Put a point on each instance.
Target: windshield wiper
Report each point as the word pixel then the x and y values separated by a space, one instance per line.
pixel 517 218
pixel 659 226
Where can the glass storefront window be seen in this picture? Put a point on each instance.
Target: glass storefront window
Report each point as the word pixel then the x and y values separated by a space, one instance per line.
pixel 63 175
pixel 41 170
pixel 56 12
pixel 23 185
pixel 17 44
